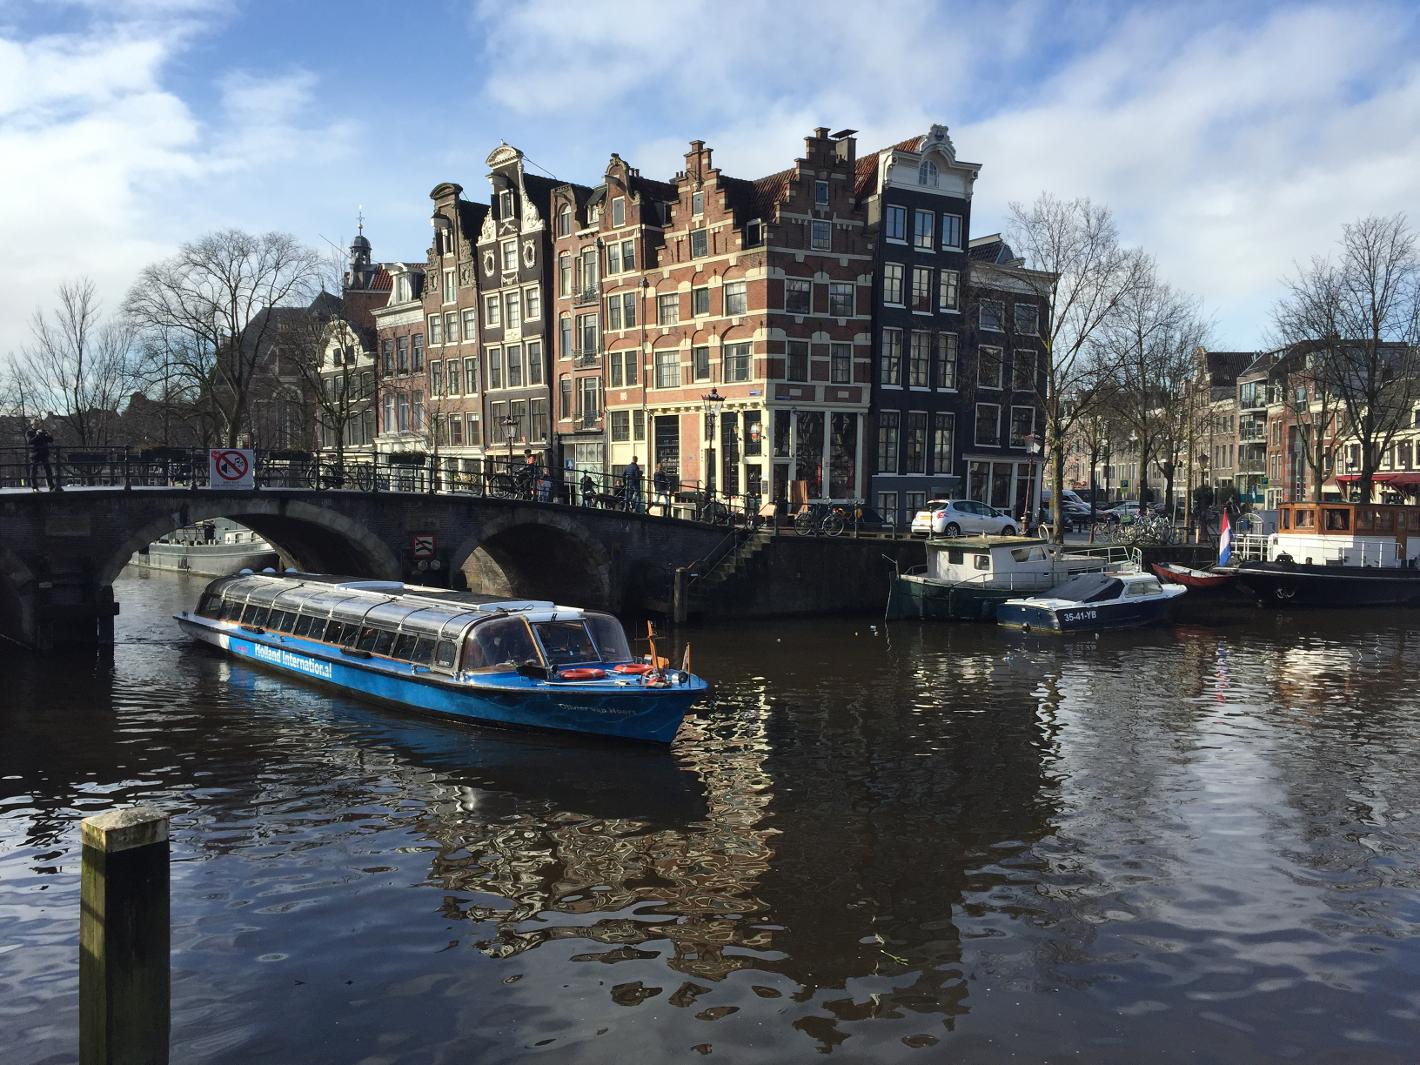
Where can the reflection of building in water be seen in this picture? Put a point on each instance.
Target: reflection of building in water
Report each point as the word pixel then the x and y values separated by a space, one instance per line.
pixel 537 864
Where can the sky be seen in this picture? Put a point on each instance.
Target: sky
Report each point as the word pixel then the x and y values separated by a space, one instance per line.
pixel 1231 140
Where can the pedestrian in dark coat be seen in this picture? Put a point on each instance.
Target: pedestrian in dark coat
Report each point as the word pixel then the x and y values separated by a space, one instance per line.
pixel 38 440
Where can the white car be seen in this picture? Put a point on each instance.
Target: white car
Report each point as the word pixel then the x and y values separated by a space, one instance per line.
pixel 953 517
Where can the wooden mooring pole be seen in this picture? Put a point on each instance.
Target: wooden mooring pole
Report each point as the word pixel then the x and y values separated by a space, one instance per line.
pixel 124 939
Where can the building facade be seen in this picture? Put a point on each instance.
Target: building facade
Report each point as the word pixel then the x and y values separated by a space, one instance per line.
pixel 401 377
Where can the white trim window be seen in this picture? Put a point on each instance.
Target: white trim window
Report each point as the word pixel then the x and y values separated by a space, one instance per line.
pixel 451 287
pixel 451 327
pixel 949 290
pixel 1027 319
pixel 699 243
pixel 532 304
pixel 1022 425
pixel 668 368
pixel 840 364
pixel 697 203
pixel 436 330
pixel 798 295
pixel 892 283
pixel 988 424
pixel 512 310
pixel 736 298
pixel 820 235
pixel 922 227
pixel 453 379
pixel 948 352
pixel 668 308
pixel 735 362
pixel 951 232
pixel 922 289
pixel 510 254
pixel 991 316
pixel 895 224
pixel 927 174
pixel 613 258
pixel 618 211
pixel 470 325
pixel 841 299
pixel 890 366
pixel 492 311
pixel 990 365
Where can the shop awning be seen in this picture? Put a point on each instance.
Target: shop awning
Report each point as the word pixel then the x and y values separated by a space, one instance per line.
pixel 1395 478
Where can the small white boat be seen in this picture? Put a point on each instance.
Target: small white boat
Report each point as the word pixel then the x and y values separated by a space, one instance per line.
pixel 1094 601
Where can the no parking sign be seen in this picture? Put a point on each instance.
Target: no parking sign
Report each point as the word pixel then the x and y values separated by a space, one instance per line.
pixel 231 467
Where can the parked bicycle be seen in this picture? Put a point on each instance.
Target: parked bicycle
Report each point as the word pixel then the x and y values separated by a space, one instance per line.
pixel 1146 530
pixel 827 519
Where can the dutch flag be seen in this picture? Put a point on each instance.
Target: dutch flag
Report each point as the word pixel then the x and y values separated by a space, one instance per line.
pixel 1225 540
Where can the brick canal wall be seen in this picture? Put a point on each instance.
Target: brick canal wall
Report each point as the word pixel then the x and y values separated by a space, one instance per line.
pixel 805 575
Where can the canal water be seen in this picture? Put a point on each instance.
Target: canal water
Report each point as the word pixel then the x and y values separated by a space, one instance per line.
pixel 936 842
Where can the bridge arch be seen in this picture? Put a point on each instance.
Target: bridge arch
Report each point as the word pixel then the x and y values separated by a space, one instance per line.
pixel 539 555
pixel 315 538
pixel 17 595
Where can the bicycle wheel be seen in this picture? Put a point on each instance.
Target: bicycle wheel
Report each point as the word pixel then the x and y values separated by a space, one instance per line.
pixel 803 523
pixel 502 486
pixel 716 514
pixel 832 524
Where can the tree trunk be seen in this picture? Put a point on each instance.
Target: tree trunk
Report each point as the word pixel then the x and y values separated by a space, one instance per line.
pixel 1057 488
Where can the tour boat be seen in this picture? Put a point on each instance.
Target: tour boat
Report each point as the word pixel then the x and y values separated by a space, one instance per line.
pixel 1338 555
pixel 508 662
pixel 1093 601
pixel 967 578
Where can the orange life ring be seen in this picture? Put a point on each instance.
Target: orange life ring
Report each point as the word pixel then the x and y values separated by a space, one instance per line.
pixel 632 667
pixel 581 674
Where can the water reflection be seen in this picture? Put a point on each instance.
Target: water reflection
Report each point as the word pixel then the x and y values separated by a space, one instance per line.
pixel 871 842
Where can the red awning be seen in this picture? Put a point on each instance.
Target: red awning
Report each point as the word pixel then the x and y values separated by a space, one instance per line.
pixel 1399 479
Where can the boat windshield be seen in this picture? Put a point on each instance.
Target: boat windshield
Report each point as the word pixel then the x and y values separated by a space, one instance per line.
pixel 1087 588
pixel 610 638
pixel 500 643
pixel 566 642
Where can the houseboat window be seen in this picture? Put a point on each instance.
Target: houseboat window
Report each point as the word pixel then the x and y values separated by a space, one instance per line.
pixel 981 561
pixel 231 610
pixel 955 556
pixel 1286 519
pixel 259 616
pixel 1383 520
pixel 1306 519
pixel 609 637
pixel 444 654
pixel 564 642
pixel 1337 520
pixel 499 643
pixel 336 632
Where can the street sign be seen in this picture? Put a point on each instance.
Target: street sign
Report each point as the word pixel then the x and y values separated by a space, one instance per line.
pixel 423 545
pixel 1123 484
pixel 231 467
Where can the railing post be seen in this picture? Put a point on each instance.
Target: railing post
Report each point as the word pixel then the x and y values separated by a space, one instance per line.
pixel 124 939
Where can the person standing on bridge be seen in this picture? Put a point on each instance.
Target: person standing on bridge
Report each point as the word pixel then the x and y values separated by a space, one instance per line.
pixel 661 483
pixel 631 478
pixel 38 440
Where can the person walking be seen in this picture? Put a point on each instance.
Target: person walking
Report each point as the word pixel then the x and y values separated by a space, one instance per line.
pixel 589 490
pixel 527 475
pixel 38 440
pixel 631 479
pixel 661 483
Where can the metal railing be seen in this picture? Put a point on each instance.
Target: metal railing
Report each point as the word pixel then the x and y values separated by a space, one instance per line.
pixel 583 297
pixel 583 358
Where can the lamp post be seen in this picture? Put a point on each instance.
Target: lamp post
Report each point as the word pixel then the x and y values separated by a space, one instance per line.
pixel 510 427
pixel 1033 449
pixel 713 402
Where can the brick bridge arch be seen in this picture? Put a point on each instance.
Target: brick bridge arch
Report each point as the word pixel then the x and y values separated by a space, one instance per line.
pixel 545 555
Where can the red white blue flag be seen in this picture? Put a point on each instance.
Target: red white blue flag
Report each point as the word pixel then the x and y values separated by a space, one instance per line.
pixel 1225 540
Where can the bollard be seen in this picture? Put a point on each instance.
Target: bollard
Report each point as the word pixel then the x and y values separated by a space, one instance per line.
pixel 680 598
pixel 124 967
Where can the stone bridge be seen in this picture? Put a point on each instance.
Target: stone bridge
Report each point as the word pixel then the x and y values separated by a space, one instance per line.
pixel 60 553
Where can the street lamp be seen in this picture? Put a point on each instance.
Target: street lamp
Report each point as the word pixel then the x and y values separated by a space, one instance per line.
pixel 1033 449
pixel 713 402
pixel 510 427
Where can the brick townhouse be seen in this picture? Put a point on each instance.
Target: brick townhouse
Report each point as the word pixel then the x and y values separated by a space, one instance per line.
pixel 400 378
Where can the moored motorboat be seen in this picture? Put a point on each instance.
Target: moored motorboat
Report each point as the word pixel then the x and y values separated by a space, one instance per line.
pixel 967 578
pixel 1198 580
pixel 1093 601
pixel 516 663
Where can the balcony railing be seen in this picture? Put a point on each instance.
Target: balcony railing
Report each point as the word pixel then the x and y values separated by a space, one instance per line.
pixel 590 419
pixel 586 296
pixel 585 358
pixel 1256 435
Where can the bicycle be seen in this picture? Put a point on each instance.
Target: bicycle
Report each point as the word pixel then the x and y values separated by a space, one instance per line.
pixel 826 519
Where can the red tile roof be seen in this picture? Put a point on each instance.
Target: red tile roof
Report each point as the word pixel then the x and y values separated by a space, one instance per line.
pixel 865 173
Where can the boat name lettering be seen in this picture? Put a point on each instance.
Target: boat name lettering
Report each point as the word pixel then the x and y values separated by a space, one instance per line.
pixel 300 663
pixel 1081 615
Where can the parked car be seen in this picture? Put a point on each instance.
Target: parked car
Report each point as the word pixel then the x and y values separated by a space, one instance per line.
pixel 953 517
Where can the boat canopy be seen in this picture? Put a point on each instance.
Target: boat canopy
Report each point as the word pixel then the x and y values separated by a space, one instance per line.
pixel 1088 588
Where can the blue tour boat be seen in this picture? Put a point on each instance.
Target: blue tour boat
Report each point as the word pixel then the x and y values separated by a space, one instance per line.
pixel 1093 601
pixel 516 663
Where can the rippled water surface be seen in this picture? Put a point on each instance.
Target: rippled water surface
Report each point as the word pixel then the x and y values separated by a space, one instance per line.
pixel 934 843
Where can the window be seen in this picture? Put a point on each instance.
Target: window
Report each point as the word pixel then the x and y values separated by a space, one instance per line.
pixel 537 419
pixel 992 316
pixel 798 295
pixel 736 298
pixel 919 359
pixel 587 334
pixel 564 221
pixel 613 312
pixel 628 309
pixel 988 423
pixel 534 362
pixel 697 203
pixel 735 362
pixel 451 291
pixel 1022 425
pixel 513 363
pixel 951 231
pixel 922 289
pixel 796 364
pixel 700 363
pixel 620 426
pixel 492 318
pixel 699 301
pixel 564 335
pixel 887 507
pixel 922 225
pixel 944 431
pixel 436 330
pixel 887 441
pixel 841 299
pixel 436 378
pixel 417 352
pixel 892 283
pixel 532 304
pixel 618 211
pixel 589 398
pixel 1027 319
pixel 402 353
pixel 946 360
pixel 948 290
pixel 989 367
pixel 820 193
pixel 451 328
pixel 927 174
pixel 470 376
pixel 628 255
pixel 613 258
pixel 510 254
pixel 820 235
pixel 895 224
pixel 668 308
pixel 699 243
pixel 617 381
pixel 638 425
pixel 564 397
pixel 454 377
pixel 455 429
pixel 891 366
pixel 914 457
pixel 628 359
pixel 470 325
pixel 587 269
pixel 840 371
pixel 387 355
pixel 668 368
pixel 512 310
pixel 1023 371
pixel 495 367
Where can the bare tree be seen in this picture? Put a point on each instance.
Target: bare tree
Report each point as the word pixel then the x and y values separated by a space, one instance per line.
pixel 79 366
pixel 326 355
pixel 1358 315
pixel 210 311
pixel 1074 263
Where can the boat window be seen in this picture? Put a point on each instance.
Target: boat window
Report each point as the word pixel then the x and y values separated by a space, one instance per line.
pixel 210 605
pixel 1148 586
pixel 1088 588
pixel 423 651
pixel 444 654
pixel 499 643
pixel 404 646
pixel 231 610
pixel 258 617
pixel 981 560
pixel 955 556
pixel 368 635
pixel 335 633
pixel 609 637
pixel 565 642
pixel 1383 521
pixel 1306 519
pixel 310 627
pixel 1286 519
pixel 1337 520
pixel 383 642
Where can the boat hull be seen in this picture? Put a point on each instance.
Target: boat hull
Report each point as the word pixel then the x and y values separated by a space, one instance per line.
pixel 925 599
pixel 206 560
pixel 599 709
pixel 1085 617
pixel 1280 584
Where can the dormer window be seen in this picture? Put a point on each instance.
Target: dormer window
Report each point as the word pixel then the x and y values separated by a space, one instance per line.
pixel 618 211
pixel 564 221
pixel 697 203
pixel 927 174
pixel 754 233
pixel 505 204
pixel 820 193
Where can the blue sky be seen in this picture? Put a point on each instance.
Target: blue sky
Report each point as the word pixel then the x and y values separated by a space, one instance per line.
pixel 1231 139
